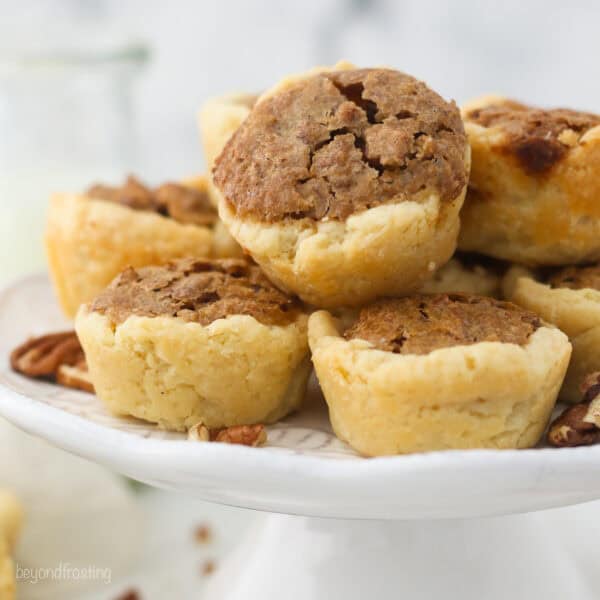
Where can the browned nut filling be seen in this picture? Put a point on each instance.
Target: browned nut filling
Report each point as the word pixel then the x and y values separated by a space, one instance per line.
pixel 579 425
pixel 56 356
pixel 338 143
pixel 423 323
pixel 537 138
pixel 576 277
pixel 199 290
pixel 184 204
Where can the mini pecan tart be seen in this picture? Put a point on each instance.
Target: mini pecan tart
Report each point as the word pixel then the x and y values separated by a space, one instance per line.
pixel 436 372
pixel 469 274
pixel 219 118
pixel 91 237
pixel 11 518
pixel 569 297
pixel 196 341
pixel 346 184
pixel 533 191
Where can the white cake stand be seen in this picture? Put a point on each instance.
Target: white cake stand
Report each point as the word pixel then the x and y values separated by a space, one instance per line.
pixel 401 527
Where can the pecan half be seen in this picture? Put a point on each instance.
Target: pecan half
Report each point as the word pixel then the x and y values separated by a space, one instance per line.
pixel 56 356
pixel 41 356
pixel 76 376
pixel 590 389
pixel 570 428
pixel 579 425
pixel 246 435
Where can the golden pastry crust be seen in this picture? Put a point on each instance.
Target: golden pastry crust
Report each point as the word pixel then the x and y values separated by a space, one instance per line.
pixel 383 403
pixel 11 518
pixel 89 241
pixel 234 371
pixel 457 276
pixel 386 250
pixel 218 118
pixel 536 203
pixel 574 311
pixel 192 342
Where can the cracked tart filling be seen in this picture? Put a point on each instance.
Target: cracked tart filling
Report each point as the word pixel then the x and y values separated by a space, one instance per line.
pixel 341 142
pixel 424 323
pixel 181 203
pixel 200 291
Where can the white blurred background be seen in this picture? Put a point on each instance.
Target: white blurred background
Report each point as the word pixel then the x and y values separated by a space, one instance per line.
pixel 93 89
pixel 544 52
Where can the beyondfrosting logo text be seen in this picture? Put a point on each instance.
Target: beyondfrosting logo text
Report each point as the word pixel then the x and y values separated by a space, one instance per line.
pixel 63 572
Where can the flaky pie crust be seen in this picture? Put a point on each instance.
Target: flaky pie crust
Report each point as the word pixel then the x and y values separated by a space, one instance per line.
pixel 384 251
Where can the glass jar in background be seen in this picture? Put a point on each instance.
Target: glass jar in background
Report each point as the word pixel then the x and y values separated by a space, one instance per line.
pixel 66 120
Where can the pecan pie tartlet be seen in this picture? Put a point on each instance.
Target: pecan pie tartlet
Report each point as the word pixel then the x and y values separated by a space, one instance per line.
pixel 196 341
pixel 91 237
pixel 568 297
pixel 436 372
pixel 346 184
pixel 533 191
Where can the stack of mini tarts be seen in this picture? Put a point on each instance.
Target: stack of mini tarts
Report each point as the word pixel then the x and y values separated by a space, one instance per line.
pixel 345 184
pixel 91 237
